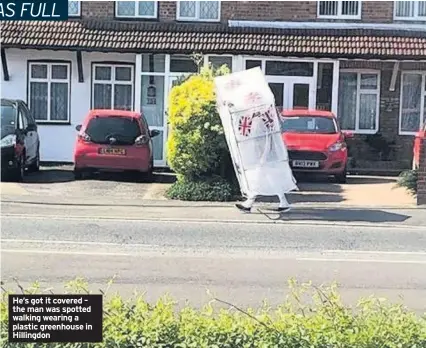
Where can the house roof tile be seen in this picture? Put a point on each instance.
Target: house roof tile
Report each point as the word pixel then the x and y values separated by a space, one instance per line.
pixel 98 35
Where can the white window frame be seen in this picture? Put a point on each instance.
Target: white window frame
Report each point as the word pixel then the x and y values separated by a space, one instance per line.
pixel 137 15
pixel 414 17
pixel 49 81
pixel 359 92
pixel 197 14
pixel 422 101
pixel 113 81
pixel 79 10
pixel 339 12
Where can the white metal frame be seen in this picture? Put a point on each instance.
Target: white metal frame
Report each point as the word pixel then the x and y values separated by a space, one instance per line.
pixel 414 17
pixel 360 92
pixel 78 14
pixel 197 13
pixel 137 15
pixel 49 80
pixel 339 12
pixel 422 100
pixel 113 81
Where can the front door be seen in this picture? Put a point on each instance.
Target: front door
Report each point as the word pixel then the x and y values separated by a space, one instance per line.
pixel 292 92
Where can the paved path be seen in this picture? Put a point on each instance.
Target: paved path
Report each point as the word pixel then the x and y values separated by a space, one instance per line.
pixel 241 263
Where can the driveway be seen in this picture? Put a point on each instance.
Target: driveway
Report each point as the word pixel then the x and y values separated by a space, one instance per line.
pixel 58 181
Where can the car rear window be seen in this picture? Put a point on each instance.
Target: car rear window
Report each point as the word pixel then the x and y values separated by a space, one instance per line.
pixel 308 124
pixel 124 130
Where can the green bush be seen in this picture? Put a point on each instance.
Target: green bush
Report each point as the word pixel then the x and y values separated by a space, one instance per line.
pixel 326 323
pixel 209 189
pixel 408 179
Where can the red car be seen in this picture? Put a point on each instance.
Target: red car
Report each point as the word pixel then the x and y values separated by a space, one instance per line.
pixel 315 143
pixel 421 135
pixel 114 140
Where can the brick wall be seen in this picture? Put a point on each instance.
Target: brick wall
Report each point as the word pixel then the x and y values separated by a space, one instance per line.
pixel 421 183
pixel 97 9
pixel 377 11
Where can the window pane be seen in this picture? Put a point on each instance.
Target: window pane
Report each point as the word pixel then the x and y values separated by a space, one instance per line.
pixel 324 86
pixel 103 73
pixel 187 9
pixel 126 8
pixel 300 95
pixel 124 130
pixel 60 72
pixel 152 100
pixel 38 100
pixel 73 8
pixel 123 74
pixel 59 101
pixel 183 64
pixel 278 92
pixel 411 102
pixel 153 62
pixel 39 71
pixel 158 146
pixel 209 9
pixel 102 96
pixel 328 8
pixel 123 97
pixel 422 8
pixel 146 8
pixel 350 8
pixel 369 81
pixel 289 68
pixel 218 61
pixel 253 64
pixel 404 8
pixel 347 101
pixel 367 111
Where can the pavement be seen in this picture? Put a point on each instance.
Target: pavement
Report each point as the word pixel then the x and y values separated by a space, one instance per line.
pixel 185 251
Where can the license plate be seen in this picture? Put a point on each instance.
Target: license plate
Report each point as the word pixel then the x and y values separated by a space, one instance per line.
pixel 118 152
pixel 306 164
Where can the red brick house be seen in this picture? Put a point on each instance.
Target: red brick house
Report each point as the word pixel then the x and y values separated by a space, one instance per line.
pixel 364 60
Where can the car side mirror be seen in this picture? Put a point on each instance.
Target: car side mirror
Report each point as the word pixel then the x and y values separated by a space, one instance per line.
pixel 154 133
pixel 78 128
pixel 31 128
pixel 348 135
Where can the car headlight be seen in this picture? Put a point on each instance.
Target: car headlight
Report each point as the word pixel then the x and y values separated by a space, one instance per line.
pixel 336 147
pixel 9 140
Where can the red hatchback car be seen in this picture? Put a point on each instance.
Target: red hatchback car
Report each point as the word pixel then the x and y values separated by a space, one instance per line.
pixel 114 140
pixel 315 143
pixel 421 135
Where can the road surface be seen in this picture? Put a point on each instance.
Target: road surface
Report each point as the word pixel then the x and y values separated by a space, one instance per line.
pixel 239 263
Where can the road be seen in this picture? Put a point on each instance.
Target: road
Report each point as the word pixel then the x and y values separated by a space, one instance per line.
pixel 239 263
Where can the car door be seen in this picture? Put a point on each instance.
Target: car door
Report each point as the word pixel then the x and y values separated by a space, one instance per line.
pixel 32 133
pixel 28 137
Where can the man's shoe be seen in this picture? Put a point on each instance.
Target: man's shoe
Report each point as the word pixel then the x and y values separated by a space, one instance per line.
pixel 243 208
pixel 284 209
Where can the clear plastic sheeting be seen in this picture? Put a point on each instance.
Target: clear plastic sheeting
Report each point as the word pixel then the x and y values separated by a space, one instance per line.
pixel 253 132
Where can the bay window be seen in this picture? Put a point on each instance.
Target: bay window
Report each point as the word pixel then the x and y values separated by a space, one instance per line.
pixel 358 108
pixel 413 102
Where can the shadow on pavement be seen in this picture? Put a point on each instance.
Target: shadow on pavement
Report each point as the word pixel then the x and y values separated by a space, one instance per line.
pixel 62 175
pixel 338 215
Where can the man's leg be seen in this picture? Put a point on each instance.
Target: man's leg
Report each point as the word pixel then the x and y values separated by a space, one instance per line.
pixel 247 204
pixel 284 204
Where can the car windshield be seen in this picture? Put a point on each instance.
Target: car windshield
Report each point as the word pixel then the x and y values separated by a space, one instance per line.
pixel 308 124
pixel 124 130
pixel 8 120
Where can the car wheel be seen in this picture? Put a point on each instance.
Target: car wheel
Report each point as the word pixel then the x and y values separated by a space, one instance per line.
pixel 342 177
pixel 35 167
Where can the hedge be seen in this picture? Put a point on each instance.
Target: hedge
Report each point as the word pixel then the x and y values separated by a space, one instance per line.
pixel 408 180
pixel 323 322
